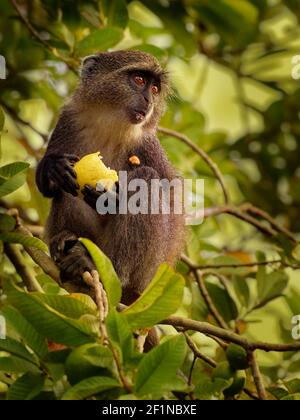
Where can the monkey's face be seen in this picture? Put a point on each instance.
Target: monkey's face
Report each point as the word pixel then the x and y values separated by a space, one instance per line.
pixel 129 84
pixel 144 96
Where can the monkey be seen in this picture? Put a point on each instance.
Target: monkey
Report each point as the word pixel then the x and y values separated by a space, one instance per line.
pixel 115 109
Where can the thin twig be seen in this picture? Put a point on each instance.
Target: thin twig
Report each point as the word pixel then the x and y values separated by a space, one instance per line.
pixel 39 257
pixel 20 120
pixel 197 353
pixel 199 277
pixel 227 335
pixel 264 215
pixel 24 270
pixel 37 36
pixel 250 394
pixel 191 370
pixel 258 380
pixel 213 166
pixel 191 265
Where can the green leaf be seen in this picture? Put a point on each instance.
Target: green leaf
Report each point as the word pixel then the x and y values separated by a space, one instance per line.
pixel 293 300
pixel 242 290
pixel 13 364
pixel 19 238
pixel 157 370
pixel 106 272
pixel 26 331
pixel 99 40
pixel 89 387
pixel 46 320
pixel 278 392
pixel 15 348
pixel 12 177
pixel 12 169
pixel 87 361
pixel 119 332
pixel 116 12
pixel 292 397
pixel 293 386
pixel 66 305
pixel 223 302
pixel 48 285
pixel 229 17
pixel 26 388
pixel 206 388
pixel 161 298
pixel 296 252
pixel 7 223
pixel 87 301
pixel 270 286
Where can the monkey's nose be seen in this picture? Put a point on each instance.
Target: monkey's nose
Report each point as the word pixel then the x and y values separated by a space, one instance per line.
pixel 146 98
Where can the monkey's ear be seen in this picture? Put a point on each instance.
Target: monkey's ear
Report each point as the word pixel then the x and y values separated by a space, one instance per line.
pixel 88 65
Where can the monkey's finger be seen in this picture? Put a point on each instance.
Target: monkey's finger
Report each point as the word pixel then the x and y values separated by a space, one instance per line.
pixel 77 268
pixel 71 157
pixel 71 170
pixel 74 264
pixel 63 182
pixel 55 177
pixel 64 166
pixel 71 182
pixel 90 193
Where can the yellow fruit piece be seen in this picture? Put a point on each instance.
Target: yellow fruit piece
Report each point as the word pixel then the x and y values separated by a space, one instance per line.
pixel 90 170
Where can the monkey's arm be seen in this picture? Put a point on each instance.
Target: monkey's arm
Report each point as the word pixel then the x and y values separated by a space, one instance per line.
pixel 55 171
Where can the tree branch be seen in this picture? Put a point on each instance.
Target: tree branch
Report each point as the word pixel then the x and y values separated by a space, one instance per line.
pixel 258 380
pixel 39 257
pixel 249 208
pixel 213 166
pixel 24 270
pixel 210 304
pixel 227 335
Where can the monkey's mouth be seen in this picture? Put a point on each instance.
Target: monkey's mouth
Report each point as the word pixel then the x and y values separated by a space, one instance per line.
pixel 139 116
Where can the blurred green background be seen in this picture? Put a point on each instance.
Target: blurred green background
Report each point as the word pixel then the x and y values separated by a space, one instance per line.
pixel 236 94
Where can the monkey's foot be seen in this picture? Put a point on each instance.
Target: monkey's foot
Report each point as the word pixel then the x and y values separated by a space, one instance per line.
pixel 61 244
pixel 76 262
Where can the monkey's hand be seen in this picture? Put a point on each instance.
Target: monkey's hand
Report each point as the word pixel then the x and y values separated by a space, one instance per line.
pixel 61 174
pixel 90 196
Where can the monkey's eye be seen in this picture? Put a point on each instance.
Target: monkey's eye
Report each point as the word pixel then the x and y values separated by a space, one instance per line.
pixel 139 80
pixel 155 89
